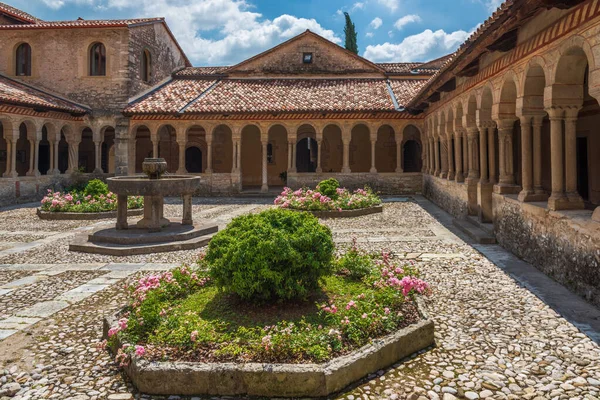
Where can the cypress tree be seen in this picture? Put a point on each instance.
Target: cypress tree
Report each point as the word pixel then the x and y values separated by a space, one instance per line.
pixel 350 33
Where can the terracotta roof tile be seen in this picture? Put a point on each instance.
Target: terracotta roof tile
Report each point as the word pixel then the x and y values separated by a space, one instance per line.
pixel 399 68
pixel 83 23
pixel 200 71
pixel 295 95
pixel 405 89
pixel 18 14
pixel 170 98
pixel 13 92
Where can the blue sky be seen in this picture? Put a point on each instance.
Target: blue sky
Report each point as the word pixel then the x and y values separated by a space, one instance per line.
pixel 224 32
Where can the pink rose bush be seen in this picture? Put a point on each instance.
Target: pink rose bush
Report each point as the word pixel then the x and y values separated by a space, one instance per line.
pixel 79 202
pixel 313 200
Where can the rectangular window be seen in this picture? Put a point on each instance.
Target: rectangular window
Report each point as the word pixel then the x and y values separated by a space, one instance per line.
pixel 307 58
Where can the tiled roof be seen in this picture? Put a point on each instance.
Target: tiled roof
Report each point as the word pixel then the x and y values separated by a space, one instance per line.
pixel 84 23
pixel 18 14
pixel 201 71
pixel 405 89
pixel 230 96
pixel 170 98
pixel 13 92
pixel 399 68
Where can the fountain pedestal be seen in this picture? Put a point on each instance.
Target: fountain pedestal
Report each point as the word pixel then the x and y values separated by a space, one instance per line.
pixel 153 233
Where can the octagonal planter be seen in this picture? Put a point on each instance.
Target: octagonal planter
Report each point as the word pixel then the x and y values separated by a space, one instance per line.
pixel 278 380
pixel 344 213
pixel 75 216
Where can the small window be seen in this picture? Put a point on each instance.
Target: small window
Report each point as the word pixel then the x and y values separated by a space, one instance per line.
pixel 307 58
pixel 97 60
pixel 23 58
pixel 146 66
pixel 270 158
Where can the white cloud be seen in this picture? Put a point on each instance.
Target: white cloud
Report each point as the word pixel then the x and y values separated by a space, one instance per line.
pixel 407 19
pixel 376 23
pixel 493 5
pixel 358 6
pixel 216 32
pixel 424 46
pixel 369 34
pixel 391 4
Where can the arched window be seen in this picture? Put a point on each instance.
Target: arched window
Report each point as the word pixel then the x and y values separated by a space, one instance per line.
pixel 23 58
pixel 146 66
pixel 97 60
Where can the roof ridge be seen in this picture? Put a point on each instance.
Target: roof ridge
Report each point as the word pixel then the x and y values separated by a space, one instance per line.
pixel 18 13
pixel 201 95
pixel 393 96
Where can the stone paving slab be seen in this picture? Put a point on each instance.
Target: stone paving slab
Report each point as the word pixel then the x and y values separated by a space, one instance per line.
pixel 4 333
pixel 5 291
pixel 123 267
pixel 28 280
pixel 43 309
pixel 17 323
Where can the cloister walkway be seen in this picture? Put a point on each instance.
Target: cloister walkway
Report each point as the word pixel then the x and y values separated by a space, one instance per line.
pixel 495 337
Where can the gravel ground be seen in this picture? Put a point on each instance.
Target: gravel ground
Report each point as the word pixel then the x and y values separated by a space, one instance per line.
pixel 494 339
pixel 9 276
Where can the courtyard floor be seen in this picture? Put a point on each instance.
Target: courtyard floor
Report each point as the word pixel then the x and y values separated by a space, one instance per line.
pixel 495 338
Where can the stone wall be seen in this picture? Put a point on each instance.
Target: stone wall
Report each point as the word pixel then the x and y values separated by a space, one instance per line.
pixel 164 53
pixel 562 244
pixel 29 188
pixel 449 195
pixel 384 183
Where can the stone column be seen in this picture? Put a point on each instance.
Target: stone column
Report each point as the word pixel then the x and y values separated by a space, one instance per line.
pixel 54 165
pixel 238 162
pixel 73 155
pixel 209 169
pixel 290 155
pixel 181 162
pixel 458 151
pixel 346 154
pixel 187 210
pixel 11 156
pixel 122 166
pixel 122 212
pixel 399 168
pixel 98 157
pixel 451 171
pixel 537 157
pixel 491 142
pixel 557 199
pixel 473 150
pixel 596 215
pixel 234 155
pixel 373 169
pixel 32 157
pixel 319 168
pixel 465 153
pixel 505 152
pixel 526 160
pixel 444 153
pixel 575 200
pixel 483 156
pixel 431 156
pixel 265 186
pixel 154 139
pixel 437 157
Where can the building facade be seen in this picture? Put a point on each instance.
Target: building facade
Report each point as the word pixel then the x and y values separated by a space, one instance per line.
pixel 503 131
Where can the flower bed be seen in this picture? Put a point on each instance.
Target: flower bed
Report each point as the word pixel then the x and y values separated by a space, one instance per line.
pixel 181 315
pixel 327 196
pixel 95 198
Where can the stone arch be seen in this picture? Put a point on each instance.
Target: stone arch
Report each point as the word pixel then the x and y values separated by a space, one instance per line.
pixel 277 154
pixel 411 149
pixel 360 148
pixel 86 159
pixel 306 148
pixel 142 146
pixel 332 154
pixel 222 149
pixel 251 153
pixel 168 148
pixel 45 148
pixel 195 136
pixel 5 132
pixel 532 86
pixel 385 149
pixel 569 76
pixel 107 134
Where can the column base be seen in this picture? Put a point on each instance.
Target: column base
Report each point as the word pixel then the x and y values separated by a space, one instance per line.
pixel 484 201
pixel 98 171
pixel 459 177
pixel 400 171
pixel 55 172
pixel 181 172
pixel 373 171
pixel 530 196
pixel 10 175
pixel 264 188
pixel 319 170
pixel 596 215
pixel 576 201
pixel 471 181
pixel 451 176
pixel 208 171
pixel 35 173
pixel 346 170
pixel 559 202
pixel 504 188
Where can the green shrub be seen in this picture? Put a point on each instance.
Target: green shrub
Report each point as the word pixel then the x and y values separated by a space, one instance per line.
pixel 95 188
pixel 329 188
pixel 354 263
pixel 277 254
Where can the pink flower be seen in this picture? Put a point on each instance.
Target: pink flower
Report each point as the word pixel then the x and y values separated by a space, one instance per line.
pixel 364 316
pixel 194 336
pixel 350 304
pixel 386 311
pixel 112 332
pixel 122 324
pixel 140 351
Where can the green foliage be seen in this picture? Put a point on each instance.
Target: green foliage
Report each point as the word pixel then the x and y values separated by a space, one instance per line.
pixel 355 264
pixel 95 188
pixel 276 254
pixel 329 188
pixel 350 34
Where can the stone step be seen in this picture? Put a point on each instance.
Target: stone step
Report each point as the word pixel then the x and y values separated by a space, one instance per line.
pixel 485 226
pixel 176 232
pixel 112 249
pixel 474 232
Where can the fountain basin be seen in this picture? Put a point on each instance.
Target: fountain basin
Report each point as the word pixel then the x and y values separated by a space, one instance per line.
pixel 140 185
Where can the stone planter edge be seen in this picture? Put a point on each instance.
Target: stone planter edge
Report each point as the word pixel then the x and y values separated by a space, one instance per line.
pixel 278 380
pixel 74 216
pixel 359 212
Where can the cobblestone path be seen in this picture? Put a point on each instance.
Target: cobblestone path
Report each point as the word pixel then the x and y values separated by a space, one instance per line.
pixel 494 338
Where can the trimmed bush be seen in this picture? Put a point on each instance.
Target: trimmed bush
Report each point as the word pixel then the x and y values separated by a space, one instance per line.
pixel 277 254
pixel 95 188
pixel 355 264
pixel 329 188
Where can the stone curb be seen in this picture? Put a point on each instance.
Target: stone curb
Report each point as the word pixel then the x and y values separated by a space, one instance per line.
pixel 64 216
pixel 278 380
pixel 344 213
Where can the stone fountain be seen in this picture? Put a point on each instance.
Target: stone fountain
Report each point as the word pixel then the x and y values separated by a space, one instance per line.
pixel 153 233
